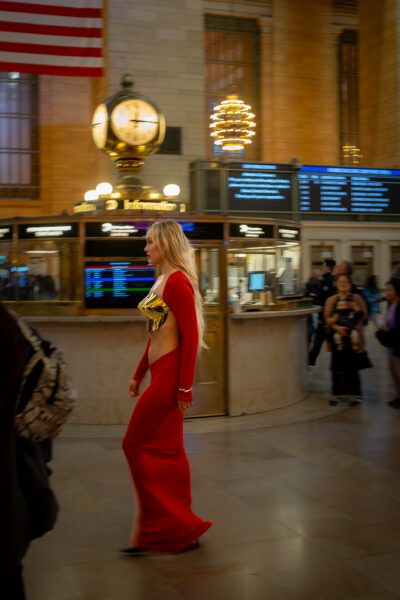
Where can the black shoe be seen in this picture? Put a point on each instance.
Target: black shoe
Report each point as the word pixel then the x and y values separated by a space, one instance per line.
pixel 333 401
pixel 394 403
pixel 134 551
pixel 355 401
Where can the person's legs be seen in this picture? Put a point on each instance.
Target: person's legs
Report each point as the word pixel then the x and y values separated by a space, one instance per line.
pixel 337 377
pixel 310 329
pixel 319 337
pixel 394 362
pixel 353 381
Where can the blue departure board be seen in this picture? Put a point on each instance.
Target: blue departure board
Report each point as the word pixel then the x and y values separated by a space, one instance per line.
pixel 116 284
pixel 348 190
pixel 259 187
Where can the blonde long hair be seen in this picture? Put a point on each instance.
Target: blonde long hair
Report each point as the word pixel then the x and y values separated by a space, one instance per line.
pixel 169 238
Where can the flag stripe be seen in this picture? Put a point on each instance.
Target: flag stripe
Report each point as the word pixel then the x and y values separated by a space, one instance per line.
pixel 52 40
pixel 13 17
pixel 74 3
pixel 37 9
pixel 39 59
pixel 49 29
pixel 51 70
pixel 52 37
pixel 52 50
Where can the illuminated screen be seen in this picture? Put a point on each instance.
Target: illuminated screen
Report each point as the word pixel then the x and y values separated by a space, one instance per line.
pixel 116 284
pixel 259 187
pixel 256 281
pixel 349 190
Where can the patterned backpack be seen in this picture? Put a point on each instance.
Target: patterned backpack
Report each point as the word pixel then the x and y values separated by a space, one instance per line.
pixel 45 398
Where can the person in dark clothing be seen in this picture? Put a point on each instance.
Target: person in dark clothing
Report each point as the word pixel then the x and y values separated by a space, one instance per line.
pixel 325 289
pixel 14 517
pixel 312 283
pixel 373 298
pixel 392 325
pixel 20 521
pixel 311 291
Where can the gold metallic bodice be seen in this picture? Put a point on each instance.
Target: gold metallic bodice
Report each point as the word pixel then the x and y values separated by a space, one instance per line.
pixel 155 310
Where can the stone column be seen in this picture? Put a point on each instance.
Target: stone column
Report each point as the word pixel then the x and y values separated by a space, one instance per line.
pixel 304 80
pixel 379 82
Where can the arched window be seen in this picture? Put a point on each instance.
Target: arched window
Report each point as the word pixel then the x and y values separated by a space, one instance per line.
pixel 19 136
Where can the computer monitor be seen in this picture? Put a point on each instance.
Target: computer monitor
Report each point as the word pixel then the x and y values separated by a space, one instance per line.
pixel 256 281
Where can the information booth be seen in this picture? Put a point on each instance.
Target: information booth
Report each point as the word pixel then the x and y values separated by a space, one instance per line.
pixel 79 279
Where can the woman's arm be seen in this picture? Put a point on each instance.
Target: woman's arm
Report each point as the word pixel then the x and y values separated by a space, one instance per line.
pixel 143 364
pixel 359 306
pixel 140 372
pixel 328 309
pixel 178 294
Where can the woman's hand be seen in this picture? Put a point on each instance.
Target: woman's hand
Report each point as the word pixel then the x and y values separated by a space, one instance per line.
pixel 133 388
pixel 184 399
pixel 342 331
pixel 184 405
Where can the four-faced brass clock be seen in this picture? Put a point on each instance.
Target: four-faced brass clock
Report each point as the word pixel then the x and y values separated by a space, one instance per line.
pixel 135 121
pixel 128 126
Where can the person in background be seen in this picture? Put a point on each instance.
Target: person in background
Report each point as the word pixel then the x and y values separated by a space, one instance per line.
pixel 344 314
pixel 325 289
pixel 345 267
pixel 312 284
pixel 311 290
pixel 373 298
pixel 392 324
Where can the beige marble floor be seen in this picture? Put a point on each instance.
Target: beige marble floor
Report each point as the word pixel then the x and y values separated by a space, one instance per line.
pixel 306 503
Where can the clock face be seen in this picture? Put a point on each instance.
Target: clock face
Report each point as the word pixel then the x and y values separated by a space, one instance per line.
pixel 100 126
pixel 135 122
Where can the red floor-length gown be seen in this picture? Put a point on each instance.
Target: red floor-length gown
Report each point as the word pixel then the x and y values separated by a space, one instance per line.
pixel 153 442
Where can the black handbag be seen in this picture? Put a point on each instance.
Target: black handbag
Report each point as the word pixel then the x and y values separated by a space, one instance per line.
pixel 363 361
pixel 385 337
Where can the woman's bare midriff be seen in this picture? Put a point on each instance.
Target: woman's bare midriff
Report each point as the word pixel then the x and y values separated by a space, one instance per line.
pixel 164 340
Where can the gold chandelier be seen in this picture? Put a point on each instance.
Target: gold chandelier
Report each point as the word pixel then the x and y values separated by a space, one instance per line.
pixel 232 124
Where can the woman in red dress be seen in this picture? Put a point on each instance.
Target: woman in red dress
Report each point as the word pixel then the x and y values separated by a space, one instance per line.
pixel 153 442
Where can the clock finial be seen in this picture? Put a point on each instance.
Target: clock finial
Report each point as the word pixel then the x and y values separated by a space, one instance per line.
pixel 127 81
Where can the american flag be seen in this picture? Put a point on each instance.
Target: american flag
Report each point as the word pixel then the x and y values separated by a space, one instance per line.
pixel 52 37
